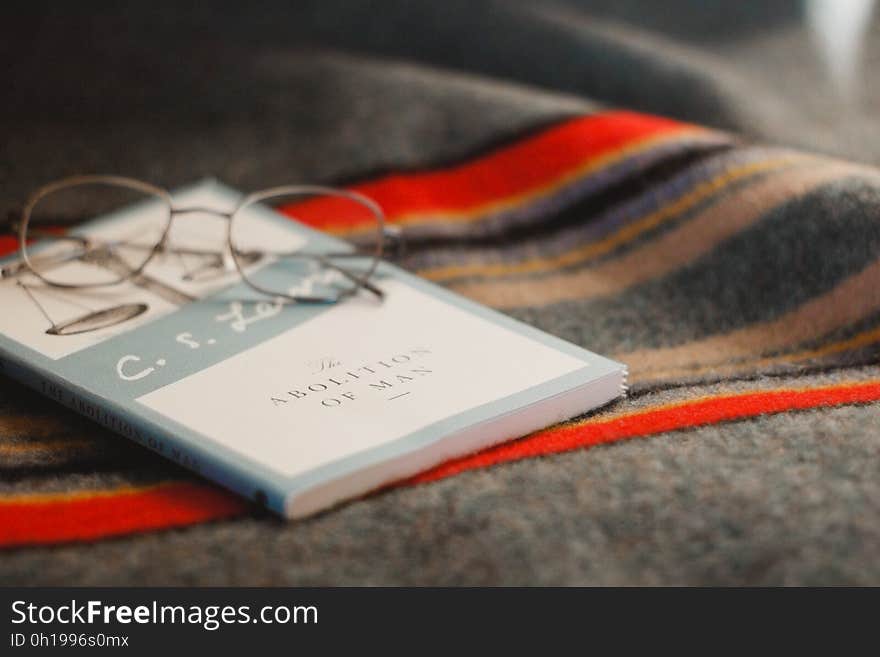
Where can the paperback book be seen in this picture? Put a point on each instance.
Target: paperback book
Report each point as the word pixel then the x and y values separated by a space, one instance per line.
pixel 295 406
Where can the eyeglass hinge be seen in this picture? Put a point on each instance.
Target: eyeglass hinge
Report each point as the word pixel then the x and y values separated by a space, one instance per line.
pixel 395 242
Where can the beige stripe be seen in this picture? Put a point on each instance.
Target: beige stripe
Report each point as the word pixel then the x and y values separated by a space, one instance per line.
pixel 855 298
pixel 859 341
pixel 723 219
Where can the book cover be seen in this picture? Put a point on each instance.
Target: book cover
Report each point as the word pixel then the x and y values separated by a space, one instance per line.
pixel 295 406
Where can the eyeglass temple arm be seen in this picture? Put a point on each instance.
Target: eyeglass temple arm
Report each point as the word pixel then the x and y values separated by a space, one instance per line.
pixel 361 282
pixel 9 225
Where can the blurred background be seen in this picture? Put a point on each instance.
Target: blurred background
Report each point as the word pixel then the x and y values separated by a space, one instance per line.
pixel 269 91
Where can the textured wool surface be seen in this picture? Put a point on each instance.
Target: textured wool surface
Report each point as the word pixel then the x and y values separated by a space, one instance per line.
pixel 736 272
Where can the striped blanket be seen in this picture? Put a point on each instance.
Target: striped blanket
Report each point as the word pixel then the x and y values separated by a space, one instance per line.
pixel 740 282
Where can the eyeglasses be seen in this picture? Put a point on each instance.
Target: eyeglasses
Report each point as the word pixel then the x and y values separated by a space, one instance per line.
pixel 62 251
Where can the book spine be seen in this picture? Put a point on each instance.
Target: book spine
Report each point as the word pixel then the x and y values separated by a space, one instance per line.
pixel 142 431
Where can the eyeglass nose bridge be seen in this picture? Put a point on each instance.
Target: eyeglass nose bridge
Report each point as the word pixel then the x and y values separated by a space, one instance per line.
pixel 194 209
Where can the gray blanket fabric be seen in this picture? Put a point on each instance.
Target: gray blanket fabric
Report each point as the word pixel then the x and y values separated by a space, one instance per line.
pixel 266 93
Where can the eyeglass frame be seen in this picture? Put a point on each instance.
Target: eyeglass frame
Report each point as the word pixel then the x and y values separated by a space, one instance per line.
pixel 384 233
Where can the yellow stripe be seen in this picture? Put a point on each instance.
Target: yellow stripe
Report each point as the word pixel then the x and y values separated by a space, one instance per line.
pixel 591 165
pixel 44 447
pixel 68 496
pixel 625 234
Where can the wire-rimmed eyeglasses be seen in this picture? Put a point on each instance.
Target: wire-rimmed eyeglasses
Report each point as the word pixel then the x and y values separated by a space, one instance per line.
pixel 107 257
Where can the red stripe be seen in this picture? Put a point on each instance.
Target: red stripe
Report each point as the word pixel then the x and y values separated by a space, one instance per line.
pixel 180 504
pixel 507 172
pixel 8 244
pixel 681 416
pixel 89 518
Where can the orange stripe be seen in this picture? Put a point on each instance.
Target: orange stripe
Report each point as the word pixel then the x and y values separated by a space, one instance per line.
pixel 89 515
pixel 508 176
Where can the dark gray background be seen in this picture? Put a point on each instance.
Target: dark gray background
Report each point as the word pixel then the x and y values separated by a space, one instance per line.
pixel 179 90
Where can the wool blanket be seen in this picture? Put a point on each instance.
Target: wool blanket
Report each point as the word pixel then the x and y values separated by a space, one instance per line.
pixel 719 243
